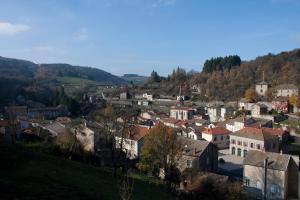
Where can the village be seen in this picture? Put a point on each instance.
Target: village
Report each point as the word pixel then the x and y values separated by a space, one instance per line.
pixel 254 143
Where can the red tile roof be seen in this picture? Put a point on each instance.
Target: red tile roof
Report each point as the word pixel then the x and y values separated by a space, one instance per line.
pixel 216 131
pixel 136 132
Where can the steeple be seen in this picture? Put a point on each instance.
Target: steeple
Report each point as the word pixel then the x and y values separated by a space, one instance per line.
pixel 181 100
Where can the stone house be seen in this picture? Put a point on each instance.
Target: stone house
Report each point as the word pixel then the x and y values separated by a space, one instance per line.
pixel 281 172
pixel 286 90
pixel 249 138
pixel 259 109
pixel 199 155
pixel 219 136
pixel 182 113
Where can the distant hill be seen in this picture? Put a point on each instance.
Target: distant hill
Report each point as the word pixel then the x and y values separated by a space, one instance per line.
pixel 29 80
pixel 135 78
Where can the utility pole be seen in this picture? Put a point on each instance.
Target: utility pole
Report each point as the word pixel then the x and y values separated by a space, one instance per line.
pixel 265 178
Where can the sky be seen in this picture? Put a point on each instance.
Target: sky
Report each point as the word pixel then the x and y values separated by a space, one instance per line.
pixel 138 36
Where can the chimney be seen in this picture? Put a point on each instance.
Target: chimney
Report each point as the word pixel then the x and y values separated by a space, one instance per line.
pixel 195 150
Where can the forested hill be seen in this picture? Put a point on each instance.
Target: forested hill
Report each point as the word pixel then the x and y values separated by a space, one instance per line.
pixel 231 83
pixel 14 68
pixel 30 81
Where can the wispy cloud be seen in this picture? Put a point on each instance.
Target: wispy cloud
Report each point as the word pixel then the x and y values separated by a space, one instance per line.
pixel 82 34
pixel 7 28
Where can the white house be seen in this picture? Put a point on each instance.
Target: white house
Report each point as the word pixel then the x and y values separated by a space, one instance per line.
pixel 218 136
pixel 132 141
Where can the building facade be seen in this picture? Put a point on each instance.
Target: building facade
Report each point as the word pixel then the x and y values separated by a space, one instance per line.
pixel 249 138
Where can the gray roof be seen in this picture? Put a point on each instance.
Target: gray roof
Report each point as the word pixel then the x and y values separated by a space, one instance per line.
pixel 193 147
pixel 286 86
pixel 276 161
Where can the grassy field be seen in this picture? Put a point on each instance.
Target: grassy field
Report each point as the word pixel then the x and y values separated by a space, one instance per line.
pixel 25 174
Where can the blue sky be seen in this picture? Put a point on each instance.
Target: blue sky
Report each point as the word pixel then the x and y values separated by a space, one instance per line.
pixel 138 36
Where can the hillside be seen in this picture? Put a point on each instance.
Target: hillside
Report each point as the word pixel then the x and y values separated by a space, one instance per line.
pixel 135 78
pixel 38 81
pixel 231 84
pixel 29 175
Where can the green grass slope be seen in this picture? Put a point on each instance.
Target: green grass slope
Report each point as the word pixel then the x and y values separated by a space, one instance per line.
pixel 25 174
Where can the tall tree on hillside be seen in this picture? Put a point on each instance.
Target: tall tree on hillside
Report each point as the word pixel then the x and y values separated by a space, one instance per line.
pixel 160 151
pixel 154 77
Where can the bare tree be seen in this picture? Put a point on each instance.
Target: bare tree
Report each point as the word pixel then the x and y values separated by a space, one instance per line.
pixel 126 187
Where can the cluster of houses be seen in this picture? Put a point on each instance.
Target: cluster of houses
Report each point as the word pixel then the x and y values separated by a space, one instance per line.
pixel 267 171
pixel 203 130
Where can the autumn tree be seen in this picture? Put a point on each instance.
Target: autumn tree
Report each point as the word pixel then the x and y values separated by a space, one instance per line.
pixel 160 152
pixel 294 100
pixel 250 95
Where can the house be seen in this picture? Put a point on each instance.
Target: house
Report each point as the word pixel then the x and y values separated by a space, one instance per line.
pixel 218 136
pixel 214 113
pixel 198 154
pixel 250 138
pixel 191 132
pixel 143 102
pixel 181 113
pixel 48 112
pixel 243 121
pixel 12 112
pixel 174 123
pixel 148 97
pixel 286 90
pixel 124 96
pixel 132 141
pixel 281 104
pixel 278 173
pixel 261 88
pixel 259 109
pixel 244 104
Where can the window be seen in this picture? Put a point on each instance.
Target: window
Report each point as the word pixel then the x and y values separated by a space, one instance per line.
pixel 233 150
pixel 215 139
pixel 258 146
pixel 273 188
pixel 189 163
pixel 251 145
pixel 222 137
pixel 239 143
pixel 274 145
pixel 227 137
pixel 247 181
pixel 245 153
pixel 245 144
pixel 232 141
pixel 239 152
